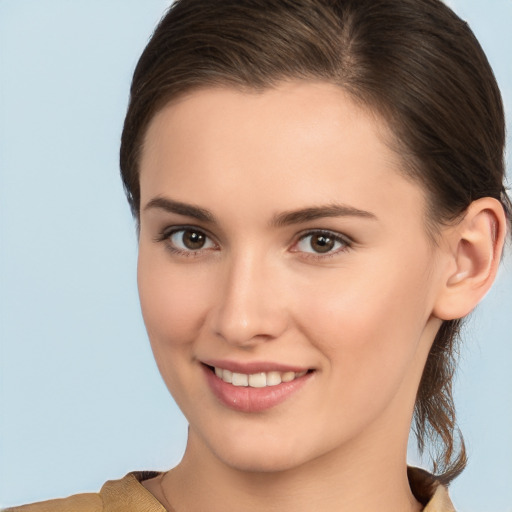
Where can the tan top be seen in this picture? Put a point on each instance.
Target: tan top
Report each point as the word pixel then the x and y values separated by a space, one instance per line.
pixel 129 495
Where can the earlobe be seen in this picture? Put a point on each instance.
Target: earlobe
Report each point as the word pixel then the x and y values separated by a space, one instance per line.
pixel 476 245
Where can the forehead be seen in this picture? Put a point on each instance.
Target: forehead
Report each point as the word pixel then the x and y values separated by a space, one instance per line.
pixel 297 143
pixel 308 109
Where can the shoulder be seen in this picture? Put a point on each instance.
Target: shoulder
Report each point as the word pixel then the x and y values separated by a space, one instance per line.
pixel 440 501
pixel 126 494
pixel 89 502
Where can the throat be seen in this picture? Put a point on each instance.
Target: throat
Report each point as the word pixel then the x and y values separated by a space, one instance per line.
pixel 203 482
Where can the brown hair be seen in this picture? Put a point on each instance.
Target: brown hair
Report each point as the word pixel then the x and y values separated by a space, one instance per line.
pixel 412 61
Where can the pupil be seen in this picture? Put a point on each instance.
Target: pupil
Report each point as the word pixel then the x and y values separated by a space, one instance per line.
pixel 193 240
pixel 322 243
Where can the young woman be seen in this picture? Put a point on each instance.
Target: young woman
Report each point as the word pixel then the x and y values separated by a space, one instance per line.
pixel 319 192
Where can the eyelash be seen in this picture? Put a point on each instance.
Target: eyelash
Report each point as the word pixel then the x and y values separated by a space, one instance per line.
pixel 166 234
pixel 345 242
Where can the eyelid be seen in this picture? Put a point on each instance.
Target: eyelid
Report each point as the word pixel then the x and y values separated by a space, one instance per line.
pixel 167 232
pixel 346 242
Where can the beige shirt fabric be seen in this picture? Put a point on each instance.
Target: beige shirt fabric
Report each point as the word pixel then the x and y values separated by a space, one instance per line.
pixel 129 495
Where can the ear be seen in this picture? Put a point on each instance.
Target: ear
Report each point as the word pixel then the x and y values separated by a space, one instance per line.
pixel 475 247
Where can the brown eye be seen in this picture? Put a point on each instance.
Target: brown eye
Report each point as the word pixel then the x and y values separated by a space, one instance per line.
pixel 190 240
pixel 193 240
pixel 321 242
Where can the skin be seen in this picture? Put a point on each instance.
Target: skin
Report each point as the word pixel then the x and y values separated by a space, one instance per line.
pixel 362 316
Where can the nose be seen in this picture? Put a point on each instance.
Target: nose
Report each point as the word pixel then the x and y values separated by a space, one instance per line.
pixel 250 306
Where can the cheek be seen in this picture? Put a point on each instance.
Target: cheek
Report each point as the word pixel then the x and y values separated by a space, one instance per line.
pixel 174 306
pixel 368 326
pixel 173 301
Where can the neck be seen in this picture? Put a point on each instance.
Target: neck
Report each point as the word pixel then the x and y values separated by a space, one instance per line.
pixel 354 481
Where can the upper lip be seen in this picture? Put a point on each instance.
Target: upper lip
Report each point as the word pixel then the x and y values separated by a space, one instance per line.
pixel 251 367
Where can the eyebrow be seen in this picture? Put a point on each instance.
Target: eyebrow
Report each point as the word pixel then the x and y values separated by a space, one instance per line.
pixel 282 219
pixel 188 210
pixel 313 213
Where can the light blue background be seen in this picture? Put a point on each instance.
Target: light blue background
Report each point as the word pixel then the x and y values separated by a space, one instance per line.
pixel 81 399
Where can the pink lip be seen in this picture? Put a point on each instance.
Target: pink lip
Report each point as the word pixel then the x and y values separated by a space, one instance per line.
pixel 247 399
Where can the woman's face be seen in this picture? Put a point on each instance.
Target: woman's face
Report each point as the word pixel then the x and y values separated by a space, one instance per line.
pixel 278 240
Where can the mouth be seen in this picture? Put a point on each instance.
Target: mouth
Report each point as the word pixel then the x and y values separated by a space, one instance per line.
pixel 256 380
pixel 253 391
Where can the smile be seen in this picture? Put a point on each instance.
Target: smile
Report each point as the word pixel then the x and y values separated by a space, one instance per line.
pixel 254 387
pixel 257 380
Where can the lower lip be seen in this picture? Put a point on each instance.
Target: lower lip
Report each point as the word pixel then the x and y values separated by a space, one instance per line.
pixel 247 399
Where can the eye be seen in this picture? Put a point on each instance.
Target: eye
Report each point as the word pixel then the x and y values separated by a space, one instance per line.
pixel 188 240
pixel 321 243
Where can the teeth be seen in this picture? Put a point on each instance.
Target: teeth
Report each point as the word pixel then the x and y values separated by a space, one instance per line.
pixel 273 378
pixel 257 380
pixel 288 376
pixel 240 379
pixel 227 376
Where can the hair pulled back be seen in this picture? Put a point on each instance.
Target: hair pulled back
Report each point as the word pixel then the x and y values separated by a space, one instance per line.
pixel 414 62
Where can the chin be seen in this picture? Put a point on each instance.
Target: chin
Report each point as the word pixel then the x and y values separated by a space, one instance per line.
pixel 261 454
pixel 260 462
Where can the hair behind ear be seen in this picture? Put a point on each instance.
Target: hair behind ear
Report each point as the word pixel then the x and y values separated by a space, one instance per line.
pixel 434 410
pixel 474 247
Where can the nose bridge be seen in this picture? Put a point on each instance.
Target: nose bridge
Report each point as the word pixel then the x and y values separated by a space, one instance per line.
pixel 248 309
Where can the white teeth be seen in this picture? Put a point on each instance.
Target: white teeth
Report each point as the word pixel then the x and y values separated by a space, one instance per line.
pixel 273 378
pixel 240 379
pixel 257 380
